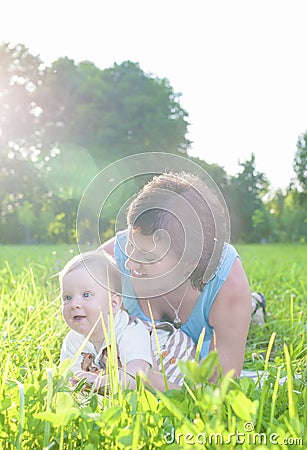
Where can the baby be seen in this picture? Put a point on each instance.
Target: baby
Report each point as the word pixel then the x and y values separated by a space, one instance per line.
pixel 90 287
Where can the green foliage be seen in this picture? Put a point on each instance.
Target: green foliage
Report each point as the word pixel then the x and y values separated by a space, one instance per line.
pixel 244 197
pixel 113 112
pixel 216 172
pixel 21 75
pixel 290 214
pixel 300 161
pixel 294 216
pixel 263 226
pixel 63 124
pixel 39 409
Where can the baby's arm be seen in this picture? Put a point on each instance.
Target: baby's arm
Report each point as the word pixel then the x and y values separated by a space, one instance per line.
pixel 92 380
pixel 127 374
pixel 95 377
pixel 156 380
pixel 90 372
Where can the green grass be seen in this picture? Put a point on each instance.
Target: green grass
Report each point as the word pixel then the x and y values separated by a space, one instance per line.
pixel 38 410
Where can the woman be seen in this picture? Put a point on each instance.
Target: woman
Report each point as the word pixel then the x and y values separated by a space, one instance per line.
pixel 175 260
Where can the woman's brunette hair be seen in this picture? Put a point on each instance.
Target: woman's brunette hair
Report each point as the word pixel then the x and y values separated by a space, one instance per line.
pixel 177 202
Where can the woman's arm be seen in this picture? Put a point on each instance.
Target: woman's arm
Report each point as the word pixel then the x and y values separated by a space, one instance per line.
pixel 230 317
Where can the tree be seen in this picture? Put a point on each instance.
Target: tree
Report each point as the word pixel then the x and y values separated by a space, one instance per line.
pixel 21 192
pixel 264 226
pixel 60 125
pixel 300 161
pixel 21 76
pixel 244 197
pixel 294 217
pixel 113 112
pixel 216 172
pixel 21 136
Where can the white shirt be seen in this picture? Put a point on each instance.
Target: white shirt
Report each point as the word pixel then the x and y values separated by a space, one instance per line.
pixel 132 338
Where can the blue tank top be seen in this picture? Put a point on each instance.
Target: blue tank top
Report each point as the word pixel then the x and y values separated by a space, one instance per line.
pixel 199 317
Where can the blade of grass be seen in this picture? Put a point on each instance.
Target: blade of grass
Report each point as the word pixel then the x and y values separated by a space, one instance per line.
pixel 5 374
pixel 48 406
pixel 200 343
pixel 137 423
pixel 158 346
pixel 274 396
pixel 33 281
pixel 264 391
pixel 291 324
pixel 291 403
pixel 21 420
pixel 115 387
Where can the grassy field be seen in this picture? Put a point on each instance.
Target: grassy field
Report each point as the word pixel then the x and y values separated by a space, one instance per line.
pixel 39 411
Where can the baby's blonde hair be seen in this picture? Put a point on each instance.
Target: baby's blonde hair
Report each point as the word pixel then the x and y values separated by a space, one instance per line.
pixel 99 265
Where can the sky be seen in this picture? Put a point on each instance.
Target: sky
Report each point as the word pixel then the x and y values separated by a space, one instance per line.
pixel 240 65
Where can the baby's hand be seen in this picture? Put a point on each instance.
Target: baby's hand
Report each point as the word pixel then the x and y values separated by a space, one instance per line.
pixel 92 380
pixel 87 363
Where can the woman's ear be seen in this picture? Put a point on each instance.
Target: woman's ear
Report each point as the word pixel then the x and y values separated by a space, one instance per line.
pixel 116 302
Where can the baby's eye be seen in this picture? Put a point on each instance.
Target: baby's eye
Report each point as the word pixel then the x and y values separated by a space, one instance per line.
pixel 67 298
pixel 86 294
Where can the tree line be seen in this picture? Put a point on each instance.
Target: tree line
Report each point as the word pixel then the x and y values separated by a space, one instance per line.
pixel 62 124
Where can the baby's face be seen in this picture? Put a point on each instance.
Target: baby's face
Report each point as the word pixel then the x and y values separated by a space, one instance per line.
pixel 84 301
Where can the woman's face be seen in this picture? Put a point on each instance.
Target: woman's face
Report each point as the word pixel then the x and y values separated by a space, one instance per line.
pixel 152 264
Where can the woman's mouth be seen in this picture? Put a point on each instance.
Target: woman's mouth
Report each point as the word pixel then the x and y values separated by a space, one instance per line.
pixel 137 274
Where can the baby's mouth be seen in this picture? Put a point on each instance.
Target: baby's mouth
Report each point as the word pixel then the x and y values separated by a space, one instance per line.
pixel 78 318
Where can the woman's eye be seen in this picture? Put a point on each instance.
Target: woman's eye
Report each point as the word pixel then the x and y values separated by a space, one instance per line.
pixel 149 259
